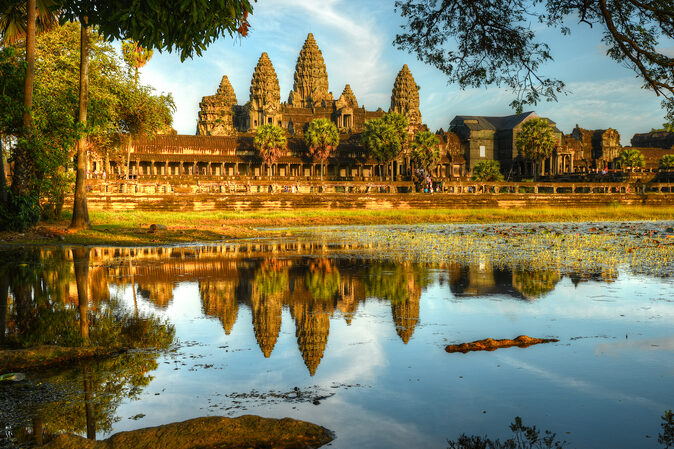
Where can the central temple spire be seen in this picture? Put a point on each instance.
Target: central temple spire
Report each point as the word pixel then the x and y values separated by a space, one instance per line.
pixel 311 78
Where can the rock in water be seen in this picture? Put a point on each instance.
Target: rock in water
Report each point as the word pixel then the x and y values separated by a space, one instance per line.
pixel 489 344
pixel 247 431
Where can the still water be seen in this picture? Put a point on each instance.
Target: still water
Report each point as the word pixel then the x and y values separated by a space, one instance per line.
pixel 338 335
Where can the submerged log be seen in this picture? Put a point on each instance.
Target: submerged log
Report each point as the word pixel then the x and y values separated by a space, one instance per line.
pixel 247 431
pixel 489 344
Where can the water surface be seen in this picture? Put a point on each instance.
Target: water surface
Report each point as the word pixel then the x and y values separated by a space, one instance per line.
pixel 345 336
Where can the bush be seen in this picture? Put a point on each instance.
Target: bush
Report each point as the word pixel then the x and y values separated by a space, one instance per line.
pixel 20 212
pixel 487 171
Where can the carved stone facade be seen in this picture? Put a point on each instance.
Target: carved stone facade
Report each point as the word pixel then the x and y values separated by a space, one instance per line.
pixel 311 78
pixel 216 117
pixel 265 95
pixel 309 99
pixel 405 98
pixel 599 147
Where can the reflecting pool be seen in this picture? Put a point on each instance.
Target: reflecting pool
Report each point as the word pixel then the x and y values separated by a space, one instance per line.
pixel 343 335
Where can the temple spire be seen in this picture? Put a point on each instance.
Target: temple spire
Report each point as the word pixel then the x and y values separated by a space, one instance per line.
pixel 405 97
pixel 311 78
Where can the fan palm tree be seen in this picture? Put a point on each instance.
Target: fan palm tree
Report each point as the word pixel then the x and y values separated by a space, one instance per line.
pixel 270 141
pixel 322 138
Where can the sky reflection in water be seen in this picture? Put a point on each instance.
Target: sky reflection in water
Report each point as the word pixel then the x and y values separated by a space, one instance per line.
pixel 357 345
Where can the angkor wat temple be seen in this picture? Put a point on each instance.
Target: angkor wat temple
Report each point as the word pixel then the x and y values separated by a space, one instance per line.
pixel 223 149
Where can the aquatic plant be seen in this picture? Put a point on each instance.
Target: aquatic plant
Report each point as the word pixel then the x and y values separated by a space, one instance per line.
pixel 524 437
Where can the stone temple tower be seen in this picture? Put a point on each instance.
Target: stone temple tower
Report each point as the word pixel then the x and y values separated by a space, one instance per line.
pixel 265 95
pixel 216 112
pixel 405 97
pixel 311 78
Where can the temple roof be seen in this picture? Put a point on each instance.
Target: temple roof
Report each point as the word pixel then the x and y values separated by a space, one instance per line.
pixel 405 96
pixel 480 122
pixel 311 77
pixel 264 87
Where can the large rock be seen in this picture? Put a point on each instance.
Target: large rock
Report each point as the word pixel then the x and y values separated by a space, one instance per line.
pixel 209 432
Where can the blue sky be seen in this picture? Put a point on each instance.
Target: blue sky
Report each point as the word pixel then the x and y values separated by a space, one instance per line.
pixel 356 41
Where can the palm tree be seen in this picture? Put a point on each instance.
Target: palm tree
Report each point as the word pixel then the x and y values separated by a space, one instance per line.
pixel 321 138
pixel 536 141
pixel 270 141
pixel 135 56
pixel 631 157
pixel 666 162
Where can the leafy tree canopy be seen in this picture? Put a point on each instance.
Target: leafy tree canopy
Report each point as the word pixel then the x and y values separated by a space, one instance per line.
pixel 484 42
pixel 270 141
pixel 321 137
pixel 117 109
pixel 631 157
pixel 666 161
pixel 536 140
pixel 425 150
pixel 186 26
pixel 385 137
pixel 487 171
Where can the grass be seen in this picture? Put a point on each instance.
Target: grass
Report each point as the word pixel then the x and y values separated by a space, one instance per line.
pixel 131 227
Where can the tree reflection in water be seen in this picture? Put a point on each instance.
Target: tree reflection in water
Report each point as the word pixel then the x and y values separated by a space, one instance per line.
pixel 53 302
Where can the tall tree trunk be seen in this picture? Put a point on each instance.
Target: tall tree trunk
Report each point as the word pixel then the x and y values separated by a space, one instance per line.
pixel 321 171
pixel 128 159
pixel 30 65
pixel 24 165
pixel 133 286
pixel 3 175
pixel 81 263
pixel 4 289
pixel 80 211
pixel 89 402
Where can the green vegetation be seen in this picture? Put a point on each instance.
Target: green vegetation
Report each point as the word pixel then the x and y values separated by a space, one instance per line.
pixel 322 280
pixel 117 110
pixel 425 150
pixel 666 162
pixel 150 26
pixel 536 141
pixel 487 171
pixel 631 158
pixel 666 437
pixel 135 56
pixel 270 141
pixel 386 137
pixel 524 437
pixel 322 138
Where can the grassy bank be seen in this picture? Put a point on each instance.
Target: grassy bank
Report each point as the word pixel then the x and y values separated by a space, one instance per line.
pixel 131 228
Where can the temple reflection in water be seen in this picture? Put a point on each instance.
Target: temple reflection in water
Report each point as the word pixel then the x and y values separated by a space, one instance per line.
pixel 314 281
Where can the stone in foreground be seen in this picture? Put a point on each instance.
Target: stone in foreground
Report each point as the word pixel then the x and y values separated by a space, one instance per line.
pixel 247 431
pixel 489 344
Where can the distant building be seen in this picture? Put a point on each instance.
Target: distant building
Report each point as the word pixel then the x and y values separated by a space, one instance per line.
pixel 654 139
pixel 493 138
pixel 599 148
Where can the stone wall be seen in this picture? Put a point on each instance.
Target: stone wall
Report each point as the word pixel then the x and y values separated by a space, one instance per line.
pixel 290 201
